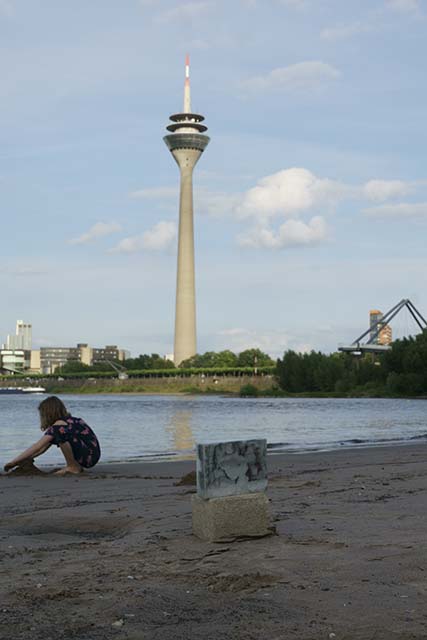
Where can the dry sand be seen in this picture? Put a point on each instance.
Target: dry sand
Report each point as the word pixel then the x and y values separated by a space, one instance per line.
pixel 110 554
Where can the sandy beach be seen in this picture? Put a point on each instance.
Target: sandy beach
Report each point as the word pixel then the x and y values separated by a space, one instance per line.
pixel 110 554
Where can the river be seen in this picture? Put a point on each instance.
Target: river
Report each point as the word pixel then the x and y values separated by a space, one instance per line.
pixel 132 427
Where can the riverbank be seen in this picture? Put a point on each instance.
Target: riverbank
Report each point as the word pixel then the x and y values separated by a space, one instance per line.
pixel 262 386
pixel 226 385
pixel 111 554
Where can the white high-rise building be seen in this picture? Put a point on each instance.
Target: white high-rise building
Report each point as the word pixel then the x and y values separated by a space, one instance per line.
pixel 23 337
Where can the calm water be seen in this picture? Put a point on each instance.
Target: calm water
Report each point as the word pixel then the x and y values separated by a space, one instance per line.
pixel 132 427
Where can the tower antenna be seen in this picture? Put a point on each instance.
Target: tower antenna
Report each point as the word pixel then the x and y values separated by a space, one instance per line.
pixel 187 94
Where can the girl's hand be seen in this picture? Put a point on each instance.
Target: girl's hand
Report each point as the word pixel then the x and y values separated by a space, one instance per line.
pixel 9 466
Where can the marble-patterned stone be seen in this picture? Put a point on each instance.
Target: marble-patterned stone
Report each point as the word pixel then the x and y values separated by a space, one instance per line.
pixel 231 468
pixel 225 519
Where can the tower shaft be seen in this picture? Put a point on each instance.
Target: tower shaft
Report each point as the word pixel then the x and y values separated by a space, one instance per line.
pixel 185 307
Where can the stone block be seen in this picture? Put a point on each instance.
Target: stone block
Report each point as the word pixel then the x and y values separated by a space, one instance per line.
pixel 227 518
pixel 231 468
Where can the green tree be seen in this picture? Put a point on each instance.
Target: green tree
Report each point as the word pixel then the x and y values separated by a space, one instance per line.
pixel 226 359
pixel 211 359
pixel 73 366
pixel 254 358
pixel 147 362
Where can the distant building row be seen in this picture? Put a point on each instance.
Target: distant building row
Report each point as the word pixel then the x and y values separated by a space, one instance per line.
pixel 48 359
pixel 17 355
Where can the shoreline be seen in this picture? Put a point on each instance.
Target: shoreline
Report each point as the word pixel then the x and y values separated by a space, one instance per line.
pixel 245 386
pixel 272 452
pixel 274 458
pixel 260 388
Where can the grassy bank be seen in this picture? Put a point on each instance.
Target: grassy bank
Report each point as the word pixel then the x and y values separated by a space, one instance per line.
pixel 194 385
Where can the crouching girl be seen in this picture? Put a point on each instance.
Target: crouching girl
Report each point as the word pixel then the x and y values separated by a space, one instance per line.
pixel 77 441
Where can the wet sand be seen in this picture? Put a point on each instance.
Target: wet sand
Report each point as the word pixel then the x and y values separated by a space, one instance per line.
pixel 110 554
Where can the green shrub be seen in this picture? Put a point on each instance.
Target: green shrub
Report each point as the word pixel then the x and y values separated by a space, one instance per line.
pixel 248 391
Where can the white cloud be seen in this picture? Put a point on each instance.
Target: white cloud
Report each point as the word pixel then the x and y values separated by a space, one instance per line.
pixel 156 193
pixel 401 210
pixel 159 238
pixel 299 76
pixel 290 192
pixel 345 31
pixel 379 190
pixel 292 233
pixel 23 271
pixel 213 203
pixel 133 244
pixel 98 230
pixel 186 11
pixel 405 6
pixel 275 343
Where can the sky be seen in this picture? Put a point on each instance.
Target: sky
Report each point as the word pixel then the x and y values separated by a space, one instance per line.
pixel 310 200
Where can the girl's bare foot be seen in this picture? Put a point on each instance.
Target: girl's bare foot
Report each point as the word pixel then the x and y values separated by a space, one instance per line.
pixel 74 469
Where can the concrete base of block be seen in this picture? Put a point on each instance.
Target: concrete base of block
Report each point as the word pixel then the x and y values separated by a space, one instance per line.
pixel 222 519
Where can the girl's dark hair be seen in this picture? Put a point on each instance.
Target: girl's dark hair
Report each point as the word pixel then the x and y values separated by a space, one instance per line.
pixel 51 410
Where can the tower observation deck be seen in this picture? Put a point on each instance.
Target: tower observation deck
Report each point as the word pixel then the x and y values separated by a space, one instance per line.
pixel 186 141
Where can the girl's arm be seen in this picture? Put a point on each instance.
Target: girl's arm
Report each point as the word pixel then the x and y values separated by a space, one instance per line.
pixel 35 450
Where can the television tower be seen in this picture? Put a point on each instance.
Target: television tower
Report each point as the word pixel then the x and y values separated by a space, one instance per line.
pixel 186 142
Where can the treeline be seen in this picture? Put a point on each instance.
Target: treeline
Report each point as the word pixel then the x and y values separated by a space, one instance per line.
pixel 400 371
pixel 227 360
pixel 211 360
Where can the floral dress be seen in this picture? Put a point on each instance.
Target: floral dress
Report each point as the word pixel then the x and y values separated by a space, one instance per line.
pixel 82 439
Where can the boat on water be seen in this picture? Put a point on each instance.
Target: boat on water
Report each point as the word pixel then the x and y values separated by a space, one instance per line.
pixel 21 390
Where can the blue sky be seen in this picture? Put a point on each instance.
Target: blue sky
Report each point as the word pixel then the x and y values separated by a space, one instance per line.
pixel 311 199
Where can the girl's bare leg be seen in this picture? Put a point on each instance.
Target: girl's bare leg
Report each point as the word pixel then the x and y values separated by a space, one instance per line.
pixel 72 466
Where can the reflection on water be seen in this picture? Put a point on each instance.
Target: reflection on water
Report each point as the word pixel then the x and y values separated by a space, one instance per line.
pixel 182 434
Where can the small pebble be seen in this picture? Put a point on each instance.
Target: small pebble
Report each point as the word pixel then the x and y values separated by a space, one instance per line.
pixel 118 623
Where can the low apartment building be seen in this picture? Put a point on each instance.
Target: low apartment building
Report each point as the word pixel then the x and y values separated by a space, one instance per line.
pixel 52 358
